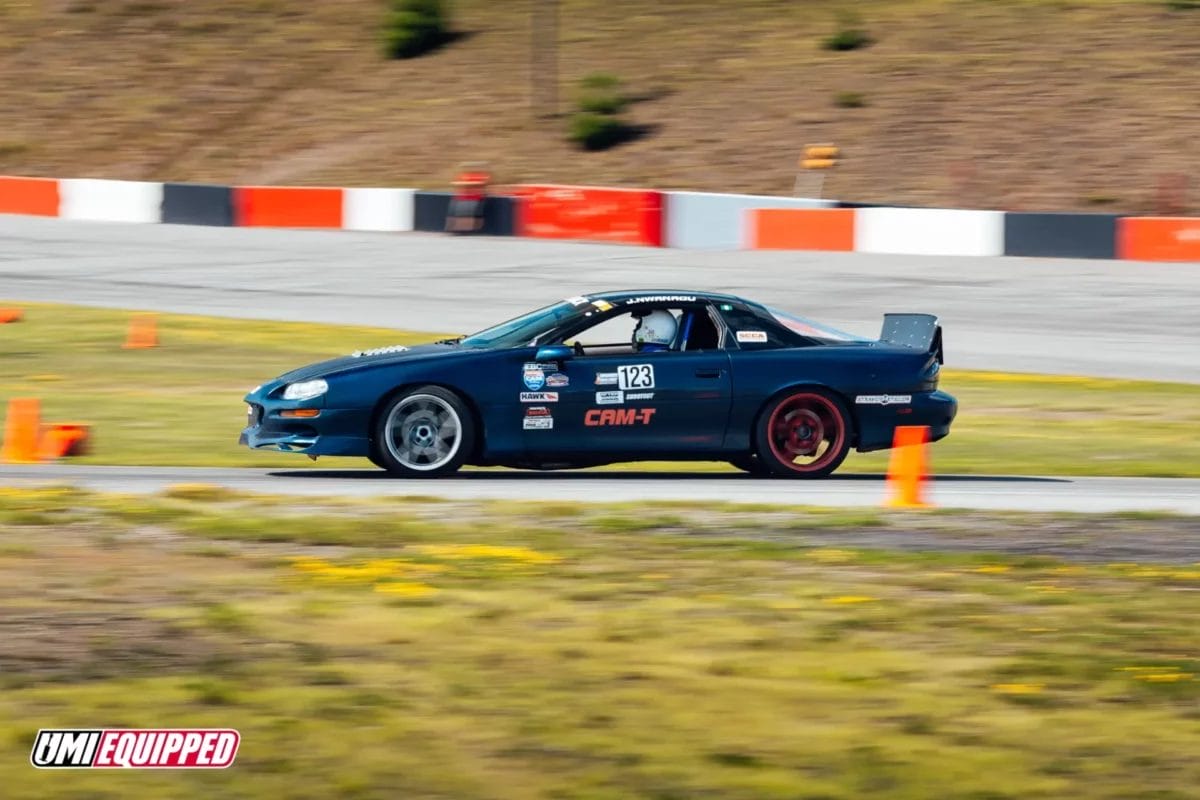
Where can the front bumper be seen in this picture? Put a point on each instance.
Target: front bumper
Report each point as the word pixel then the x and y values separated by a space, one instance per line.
pixel 333 432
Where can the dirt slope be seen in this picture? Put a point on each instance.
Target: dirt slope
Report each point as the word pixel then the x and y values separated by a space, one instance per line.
pixel 1055 104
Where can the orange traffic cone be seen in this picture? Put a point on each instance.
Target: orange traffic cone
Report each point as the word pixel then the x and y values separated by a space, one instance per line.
pixel 909 468
pixel 64 439
pixel 11 315
pixel 143 332
pixel 21 431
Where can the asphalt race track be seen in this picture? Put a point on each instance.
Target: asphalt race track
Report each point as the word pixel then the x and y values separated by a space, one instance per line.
pixel 1103 318
pixel 974 492
pixel 1117 319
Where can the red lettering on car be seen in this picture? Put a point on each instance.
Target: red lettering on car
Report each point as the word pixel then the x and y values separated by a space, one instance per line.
pixel 602 417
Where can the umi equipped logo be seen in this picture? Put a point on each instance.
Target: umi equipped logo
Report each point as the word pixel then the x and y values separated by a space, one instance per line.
pixel 135 748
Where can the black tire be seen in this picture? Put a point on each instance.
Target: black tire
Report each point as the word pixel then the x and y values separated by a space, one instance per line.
pixel 426 432
pixel 803 433
pixel 375 458
pixel 751 463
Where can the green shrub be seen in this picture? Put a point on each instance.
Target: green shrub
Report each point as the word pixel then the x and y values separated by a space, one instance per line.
pixel 850 34
pixel 596 123
pixel 413 27
pixel 601 94
pixel 601 81
pixel 850 100
pixel 603 103
pixel 593 131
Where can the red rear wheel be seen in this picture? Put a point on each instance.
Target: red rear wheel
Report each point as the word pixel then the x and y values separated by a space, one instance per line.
pixel 804 434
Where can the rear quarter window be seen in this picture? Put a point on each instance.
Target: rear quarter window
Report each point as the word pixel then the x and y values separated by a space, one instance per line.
pixel 752 332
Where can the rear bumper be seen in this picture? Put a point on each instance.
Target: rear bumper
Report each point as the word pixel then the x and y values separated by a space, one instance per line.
pixel 877 424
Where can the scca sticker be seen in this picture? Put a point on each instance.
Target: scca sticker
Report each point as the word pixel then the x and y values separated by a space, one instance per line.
pixel 635 376
pixel 752 336
pixel 603 417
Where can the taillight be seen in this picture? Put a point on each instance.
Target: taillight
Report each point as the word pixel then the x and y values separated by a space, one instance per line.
pixel 929 375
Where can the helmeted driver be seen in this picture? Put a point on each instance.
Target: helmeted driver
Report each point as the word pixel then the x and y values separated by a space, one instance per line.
pixel 655 332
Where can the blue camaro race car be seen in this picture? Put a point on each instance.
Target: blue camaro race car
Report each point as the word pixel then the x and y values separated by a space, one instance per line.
pixel 617 376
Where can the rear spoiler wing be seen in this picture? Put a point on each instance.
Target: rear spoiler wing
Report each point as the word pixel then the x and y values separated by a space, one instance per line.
pixel 918 331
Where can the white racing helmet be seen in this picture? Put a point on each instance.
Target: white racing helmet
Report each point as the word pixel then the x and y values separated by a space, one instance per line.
pixel 656 330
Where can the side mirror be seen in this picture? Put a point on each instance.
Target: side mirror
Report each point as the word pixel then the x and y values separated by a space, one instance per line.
pixel 554 352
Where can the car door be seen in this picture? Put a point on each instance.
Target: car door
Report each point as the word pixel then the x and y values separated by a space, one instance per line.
pixel 630 404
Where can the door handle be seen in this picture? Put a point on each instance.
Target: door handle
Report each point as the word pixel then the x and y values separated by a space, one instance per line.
pixel 708 373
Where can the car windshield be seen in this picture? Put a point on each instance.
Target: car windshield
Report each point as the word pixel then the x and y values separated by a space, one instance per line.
pixel 813 330
pixel 526 328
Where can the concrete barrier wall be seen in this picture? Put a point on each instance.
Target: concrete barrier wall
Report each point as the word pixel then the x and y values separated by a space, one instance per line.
pixel 1060 235
pixel 110 201
pixel 800 228
pixel 429 211
pixel 704 221
pixel 377 209
pixel 929 231
pixel 501 216
pixel 287 207
pixel 1159 238
pixel 31 196
pixel 697 220
pixel 591 213
pixel 499 213
pixel 197 204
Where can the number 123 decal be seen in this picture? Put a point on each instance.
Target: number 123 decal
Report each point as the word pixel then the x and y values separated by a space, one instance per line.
pixel 635 376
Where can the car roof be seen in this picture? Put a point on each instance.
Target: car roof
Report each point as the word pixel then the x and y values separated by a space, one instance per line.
pixel 666 295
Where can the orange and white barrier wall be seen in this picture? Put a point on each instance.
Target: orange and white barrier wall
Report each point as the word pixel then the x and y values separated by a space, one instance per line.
pixel 692 220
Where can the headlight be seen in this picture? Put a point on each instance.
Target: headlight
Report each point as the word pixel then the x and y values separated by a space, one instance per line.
pixel 305 390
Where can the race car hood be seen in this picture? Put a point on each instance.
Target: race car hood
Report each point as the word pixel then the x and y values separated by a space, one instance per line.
pixel 377 356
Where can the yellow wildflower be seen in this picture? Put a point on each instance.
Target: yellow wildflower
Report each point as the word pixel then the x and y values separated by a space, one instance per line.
pixel 405 589
pixel 831 555
pixel 467 551
pixel 1018 688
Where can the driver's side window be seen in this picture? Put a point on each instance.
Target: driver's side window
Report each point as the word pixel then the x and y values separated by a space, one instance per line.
pixel 611 336
pixel 677 329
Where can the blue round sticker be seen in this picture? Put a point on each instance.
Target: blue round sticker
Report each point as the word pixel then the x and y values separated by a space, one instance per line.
pixel 534 379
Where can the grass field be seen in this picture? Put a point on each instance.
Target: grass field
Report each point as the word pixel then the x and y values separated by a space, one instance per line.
pixel 180 403
pixel 1030 104
pixel 415 648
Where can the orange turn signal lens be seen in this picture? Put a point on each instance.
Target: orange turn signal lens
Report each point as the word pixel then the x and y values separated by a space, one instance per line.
pixel 300 412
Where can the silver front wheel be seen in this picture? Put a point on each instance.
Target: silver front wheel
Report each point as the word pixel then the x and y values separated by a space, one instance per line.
pixel 425 433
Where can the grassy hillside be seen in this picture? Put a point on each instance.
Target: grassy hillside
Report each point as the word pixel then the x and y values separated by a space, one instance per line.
pixel 1013 103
